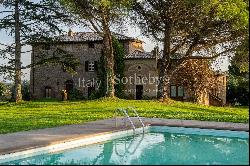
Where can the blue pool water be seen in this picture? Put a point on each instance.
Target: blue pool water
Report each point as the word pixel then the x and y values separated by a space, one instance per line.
pixel 162 145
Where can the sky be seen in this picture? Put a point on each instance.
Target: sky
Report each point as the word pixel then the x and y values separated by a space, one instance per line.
pixel 131 32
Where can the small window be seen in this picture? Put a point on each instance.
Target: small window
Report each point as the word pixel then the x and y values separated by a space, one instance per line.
pixel 176 91
pixel 91 45
pixel 180 91
pixel 91 66
pixel 173 91
pixel 139 67
pixel 48 92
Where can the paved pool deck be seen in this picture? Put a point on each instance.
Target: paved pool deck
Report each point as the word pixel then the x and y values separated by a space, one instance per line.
pixel 20 141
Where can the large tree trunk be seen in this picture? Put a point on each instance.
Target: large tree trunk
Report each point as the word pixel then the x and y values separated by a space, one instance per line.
pixel 163 87
pixel 18 81
pixel 108 56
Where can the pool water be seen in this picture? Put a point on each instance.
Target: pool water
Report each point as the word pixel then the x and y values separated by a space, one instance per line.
pixel 162 145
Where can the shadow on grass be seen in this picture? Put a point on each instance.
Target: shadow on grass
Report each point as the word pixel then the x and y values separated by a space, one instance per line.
pixel 213 111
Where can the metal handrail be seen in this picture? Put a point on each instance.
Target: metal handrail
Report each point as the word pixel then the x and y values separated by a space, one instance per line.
pixel 125 112
pixel 127 116
pixel 143 125
pixel 128 148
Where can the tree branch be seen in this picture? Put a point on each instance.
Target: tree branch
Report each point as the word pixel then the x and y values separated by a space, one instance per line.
pixel 176 48
pixel 211 57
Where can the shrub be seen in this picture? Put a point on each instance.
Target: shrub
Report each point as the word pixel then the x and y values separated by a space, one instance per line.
pixel 26 90
pixel 76 94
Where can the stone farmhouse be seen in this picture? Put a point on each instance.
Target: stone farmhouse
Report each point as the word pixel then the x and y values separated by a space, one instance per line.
pixel 140 75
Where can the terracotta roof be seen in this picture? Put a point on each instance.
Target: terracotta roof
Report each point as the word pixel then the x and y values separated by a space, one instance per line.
pixel 89 36
pixel 138 54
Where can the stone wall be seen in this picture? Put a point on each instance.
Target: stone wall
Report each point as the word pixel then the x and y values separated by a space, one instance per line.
pixel 141 72
pixel 219 91
pixel 54 77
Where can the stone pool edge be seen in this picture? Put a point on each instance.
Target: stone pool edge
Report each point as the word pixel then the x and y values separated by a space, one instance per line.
pixel 109 123
pixel 69 144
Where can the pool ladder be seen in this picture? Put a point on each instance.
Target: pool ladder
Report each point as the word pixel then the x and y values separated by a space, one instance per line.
pixel 125 112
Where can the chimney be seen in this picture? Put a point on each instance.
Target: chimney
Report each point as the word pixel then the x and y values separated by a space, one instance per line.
pixel 70 33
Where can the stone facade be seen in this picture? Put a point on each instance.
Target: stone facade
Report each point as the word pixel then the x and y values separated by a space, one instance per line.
pixel 49 81
pixel 140 75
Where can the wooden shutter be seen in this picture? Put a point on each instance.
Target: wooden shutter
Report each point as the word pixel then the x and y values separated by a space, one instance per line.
pixel 96 65
pixel 86 66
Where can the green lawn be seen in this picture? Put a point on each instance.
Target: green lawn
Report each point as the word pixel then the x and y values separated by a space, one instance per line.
pixel 34 115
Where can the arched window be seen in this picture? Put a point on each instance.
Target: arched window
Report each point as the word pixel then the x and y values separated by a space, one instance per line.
pixel 48 91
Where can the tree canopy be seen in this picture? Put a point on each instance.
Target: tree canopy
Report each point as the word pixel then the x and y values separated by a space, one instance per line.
pixel 27 22
pixel 100 15
pixel 196 29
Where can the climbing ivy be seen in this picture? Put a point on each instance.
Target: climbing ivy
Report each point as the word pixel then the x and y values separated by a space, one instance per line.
pixel 119 65
pixel 102 77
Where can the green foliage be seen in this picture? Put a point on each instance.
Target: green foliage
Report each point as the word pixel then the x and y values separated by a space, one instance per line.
pixel 241 58
pixel 118 71
pixel 75 94
pixel 95 95
pixel 26 90
pixel 231 10
pixel 119 54
pixel 34 115
pixel 2 88
pixel 27 22
pixel 238 84
pixel 102 77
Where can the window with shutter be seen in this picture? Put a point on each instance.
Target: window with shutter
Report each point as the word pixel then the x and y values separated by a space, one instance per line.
pixel 86 66
pixel 173 91
pixel 91 66
pixel 96 66
pixel 180 91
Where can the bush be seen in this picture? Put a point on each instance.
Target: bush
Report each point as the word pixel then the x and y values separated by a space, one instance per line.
pixel 5 92
pixel 75 94
pixel 129 96
pixel 2 88
pixel 144 97
pixel 26 90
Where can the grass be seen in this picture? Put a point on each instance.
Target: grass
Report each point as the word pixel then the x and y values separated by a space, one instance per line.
pixel 45 114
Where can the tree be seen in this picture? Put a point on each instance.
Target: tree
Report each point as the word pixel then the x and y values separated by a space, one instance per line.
pixel 196 29
pixel 100 15
pixel 238 84
pixel 27 22
pixel 119 55
pixel 119 65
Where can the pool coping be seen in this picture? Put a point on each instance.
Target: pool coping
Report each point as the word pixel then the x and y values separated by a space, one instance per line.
pixel 102 128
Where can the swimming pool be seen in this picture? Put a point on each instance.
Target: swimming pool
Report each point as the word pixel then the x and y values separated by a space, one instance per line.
pixel 160 145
